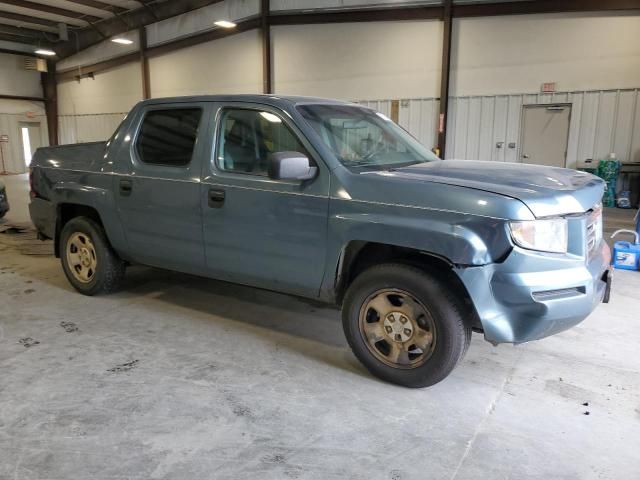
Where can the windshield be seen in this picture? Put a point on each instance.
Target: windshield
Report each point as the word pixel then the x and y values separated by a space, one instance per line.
pixel 361 137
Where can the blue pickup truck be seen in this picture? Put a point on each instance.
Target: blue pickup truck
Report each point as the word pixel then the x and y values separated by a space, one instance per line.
pixel 331 201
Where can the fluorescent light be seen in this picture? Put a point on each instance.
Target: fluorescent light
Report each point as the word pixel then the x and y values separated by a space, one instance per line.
pixel 224 24
pixel 122 41
pixel 42 51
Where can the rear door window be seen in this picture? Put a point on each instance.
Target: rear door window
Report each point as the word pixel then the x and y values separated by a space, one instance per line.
pixel 168 137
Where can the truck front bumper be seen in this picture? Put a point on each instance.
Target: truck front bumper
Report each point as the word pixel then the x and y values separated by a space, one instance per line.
pixel 533 295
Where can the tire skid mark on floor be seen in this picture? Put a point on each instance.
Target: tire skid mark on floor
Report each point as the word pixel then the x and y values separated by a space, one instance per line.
pixel 124 367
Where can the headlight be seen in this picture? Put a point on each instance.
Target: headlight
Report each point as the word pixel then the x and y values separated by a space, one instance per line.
pixel 542 235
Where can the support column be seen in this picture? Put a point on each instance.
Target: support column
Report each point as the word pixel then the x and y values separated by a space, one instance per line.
pixel 50 94
pixel 144 64
pixel 444 78
pixel 267 68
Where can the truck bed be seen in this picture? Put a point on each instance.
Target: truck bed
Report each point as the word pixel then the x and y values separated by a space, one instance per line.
pixel 80 156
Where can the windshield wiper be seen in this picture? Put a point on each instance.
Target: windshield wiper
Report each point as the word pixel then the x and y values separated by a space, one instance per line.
pixel 362 163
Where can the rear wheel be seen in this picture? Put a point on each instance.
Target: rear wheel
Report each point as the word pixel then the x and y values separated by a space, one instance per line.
pixel 404 325
pixel 88 260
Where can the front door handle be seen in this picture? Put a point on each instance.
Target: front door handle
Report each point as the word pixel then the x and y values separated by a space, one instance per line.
pixel 216 198
pixel 526 156
pixel 125 187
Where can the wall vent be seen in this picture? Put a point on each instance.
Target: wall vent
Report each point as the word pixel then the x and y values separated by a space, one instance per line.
pixel 37 64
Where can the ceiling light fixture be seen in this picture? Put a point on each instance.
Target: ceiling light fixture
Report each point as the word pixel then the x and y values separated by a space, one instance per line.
pixel 43 51
pixel 122 41
pixel 224 24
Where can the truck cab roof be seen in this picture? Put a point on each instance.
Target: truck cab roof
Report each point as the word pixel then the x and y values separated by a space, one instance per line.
pixel 274 100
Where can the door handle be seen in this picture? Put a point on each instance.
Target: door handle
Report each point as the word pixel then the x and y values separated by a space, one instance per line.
pixel 126 186
pixel 526 156
pixel 216 198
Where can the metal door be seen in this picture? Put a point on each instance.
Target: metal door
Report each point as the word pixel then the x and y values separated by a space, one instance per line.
pixel 545 134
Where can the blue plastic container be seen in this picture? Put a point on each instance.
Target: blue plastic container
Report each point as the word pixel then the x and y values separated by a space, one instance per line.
pixel 626 255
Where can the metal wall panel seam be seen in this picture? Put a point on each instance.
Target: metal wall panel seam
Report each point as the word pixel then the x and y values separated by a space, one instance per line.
pixel 614 124
pixel 597 127
pixel 634 114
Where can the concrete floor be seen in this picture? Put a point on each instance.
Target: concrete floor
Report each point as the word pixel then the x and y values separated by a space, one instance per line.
pixel 180 377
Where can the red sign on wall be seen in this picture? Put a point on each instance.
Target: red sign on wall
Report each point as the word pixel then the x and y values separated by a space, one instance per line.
pixel 548 87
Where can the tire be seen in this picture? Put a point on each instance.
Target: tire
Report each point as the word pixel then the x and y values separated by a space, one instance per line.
pixel 397 352
pixel 103 269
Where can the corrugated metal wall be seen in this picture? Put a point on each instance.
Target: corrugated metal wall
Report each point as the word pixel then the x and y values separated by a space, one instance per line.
pixel 87 128
pixel 418 116
pixel 602 121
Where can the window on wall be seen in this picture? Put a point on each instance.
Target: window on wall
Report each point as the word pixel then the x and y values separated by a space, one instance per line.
pixel 168 137
pixel 247 137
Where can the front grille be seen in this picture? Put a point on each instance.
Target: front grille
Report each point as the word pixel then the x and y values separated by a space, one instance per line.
pixel 594 230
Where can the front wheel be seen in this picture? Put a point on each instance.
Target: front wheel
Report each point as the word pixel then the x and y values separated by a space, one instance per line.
pixel 405 325
pixel 88 260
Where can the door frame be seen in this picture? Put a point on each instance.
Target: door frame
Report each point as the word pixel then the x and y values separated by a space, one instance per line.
pixel 545 105
pixel 27 124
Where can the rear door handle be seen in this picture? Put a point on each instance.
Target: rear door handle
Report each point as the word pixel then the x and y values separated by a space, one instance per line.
pixel 126 186
pixel 216 198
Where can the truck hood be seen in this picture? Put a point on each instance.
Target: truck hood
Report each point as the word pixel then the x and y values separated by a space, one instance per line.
pixel 547 191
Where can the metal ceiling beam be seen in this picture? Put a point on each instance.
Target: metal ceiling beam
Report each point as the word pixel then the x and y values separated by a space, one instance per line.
pixel 358 15
pixel 542 6
pixel 27 19
pixel 30 26
pixel 148 7
pixel 15 39
pixel 20 31
pixel 107 7
pixel 41 7
pixel 19 52
pixel 466 10
pixel 19 97
pixel 89 70
pixel 97 30
pixel 134 18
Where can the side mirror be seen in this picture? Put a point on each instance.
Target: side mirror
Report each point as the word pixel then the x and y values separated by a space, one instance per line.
pixel 291 166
